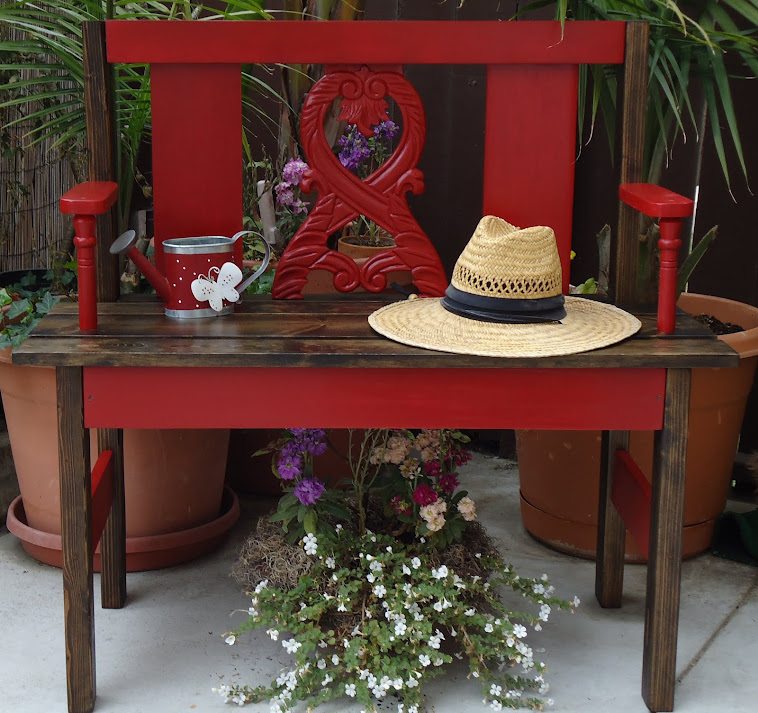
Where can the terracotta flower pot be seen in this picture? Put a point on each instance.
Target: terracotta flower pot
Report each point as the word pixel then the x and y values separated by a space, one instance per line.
pixel 174 479
pixel 355 247
pixel 560 470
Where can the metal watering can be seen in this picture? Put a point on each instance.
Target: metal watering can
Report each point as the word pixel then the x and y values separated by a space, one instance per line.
pixel 201 278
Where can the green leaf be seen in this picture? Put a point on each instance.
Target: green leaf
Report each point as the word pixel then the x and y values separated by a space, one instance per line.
pixel 310 522
pixel 18 308
pixel 690 263
pixel 47 302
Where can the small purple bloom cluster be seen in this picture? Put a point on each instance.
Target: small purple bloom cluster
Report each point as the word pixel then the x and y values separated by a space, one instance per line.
pixel 355 148
pixel 309 490
pixel 359 152
pixel 386 130
pixel 292 174
pixel 305 442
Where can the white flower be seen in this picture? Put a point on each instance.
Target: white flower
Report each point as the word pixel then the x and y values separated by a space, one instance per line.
pixel 273 633
pixel 341 607
pixel 411 682
pixel 350 690
pixel 291 645
pixel 380 590
pixel 413 709
pixel 375 566
pixel 434 642
pixel 467 508
pixel 261 586
pixel 424 659
pixel 538 627
pixel 230 639
pixel 320 663
pixel 400 628
pixel 329 562
pixel 368 614
pixel 327 680
pixel 252 611
pixel 470 612
pixel 370 578
pixel 338 527
pixel 310 544
pixel 335 659
pixel 406 569
pixel 415 563
pixel 495 690
pixel 576 601
pixel 519 631
pixel 440 573
pixel 489 628
pixel 496 706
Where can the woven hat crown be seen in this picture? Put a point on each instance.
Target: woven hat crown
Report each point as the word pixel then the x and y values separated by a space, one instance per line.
pixel 502 260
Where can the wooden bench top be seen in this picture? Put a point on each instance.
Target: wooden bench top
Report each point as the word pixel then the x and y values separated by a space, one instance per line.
pixel 318 332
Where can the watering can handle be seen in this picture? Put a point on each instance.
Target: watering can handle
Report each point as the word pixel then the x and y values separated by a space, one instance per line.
pixel 266 257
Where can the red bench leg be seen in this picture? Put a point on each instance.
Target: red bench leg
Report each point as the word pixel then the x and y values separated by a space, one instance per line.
pixel 664 569
pixel 611 531
pixel 76 538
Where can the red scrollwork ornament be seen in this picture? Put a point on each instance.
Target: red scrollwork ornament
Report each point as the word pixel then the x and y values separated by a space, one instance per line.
pixel 381 197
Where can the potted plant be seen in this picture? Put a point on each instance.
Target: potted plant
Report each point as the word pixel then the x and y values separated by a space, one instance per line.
pixel 683 44
pixel 176 506
pixel 386 583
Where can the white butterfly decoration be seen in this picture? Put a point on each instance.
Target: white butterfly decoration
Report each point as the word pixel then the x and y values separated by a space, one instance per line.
pixel 220 289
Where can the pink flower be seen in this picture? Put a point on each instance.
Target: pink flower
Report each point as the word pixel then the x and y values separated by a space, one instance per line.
pixel 424 495
pixel 449 482
pixel 432 468
pixel 400 506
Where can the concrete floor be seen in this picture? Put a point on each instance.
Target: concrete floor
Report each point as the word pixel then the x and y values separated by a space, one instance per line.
pixel 164 652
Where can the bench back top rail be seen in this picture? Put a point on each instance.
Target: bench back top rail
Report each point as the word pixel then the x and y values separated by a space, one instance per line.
pixel 531 100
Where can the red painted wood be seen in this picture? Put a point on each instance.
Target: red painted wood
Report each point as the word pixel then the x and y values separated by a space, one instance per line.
pixel 530 149
pixel 656 201
pixel 343 196
pixel 366 42
pixel 89 198
pixel 102 494
pixel 84 240
pixel 217 397
pixel 669 244
pixel 197 152
pixel 631 495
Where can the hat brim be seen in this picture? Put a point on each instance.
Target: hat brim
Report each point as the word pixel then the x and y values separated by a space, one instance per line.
pixel 424 322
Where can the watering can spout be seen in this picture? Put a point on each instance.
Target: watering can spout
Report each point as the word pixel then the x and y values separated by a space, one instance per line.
pixel 126 243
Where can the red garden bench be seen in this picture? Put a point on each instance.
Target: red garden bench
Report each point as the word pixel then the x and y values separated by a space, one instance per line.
pixel 316 362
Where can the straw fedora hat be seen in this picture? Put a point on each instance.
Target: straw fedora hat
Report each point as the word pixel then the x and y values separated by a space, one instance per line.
pixel 505 300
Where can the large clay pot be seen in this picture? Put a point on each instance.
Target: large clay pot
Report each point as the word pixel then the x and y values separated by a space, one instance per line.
pixel 560 470
pixel 173 479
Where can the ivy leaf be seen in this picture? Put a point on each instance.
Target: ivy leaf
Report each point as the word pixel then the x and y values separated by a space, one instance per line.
pixel 18 308
pixel 46 303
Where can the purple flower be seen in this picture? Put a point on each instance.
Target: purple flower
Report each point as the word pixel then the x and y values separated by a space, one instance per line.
pixel 284 193
pixel 386 129
pixel 309 490
pixel 355 148
pixel 293 171
pixel 289 466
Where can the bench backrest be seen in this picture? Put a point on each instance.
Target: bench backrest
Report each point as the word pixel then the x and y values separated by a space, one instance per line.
pixel 531 100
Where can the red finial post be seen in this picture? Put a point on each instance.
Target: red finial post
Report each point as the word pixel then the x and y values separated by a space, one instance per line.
pixel 669 244
pixel 84 227
pixel 85 201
